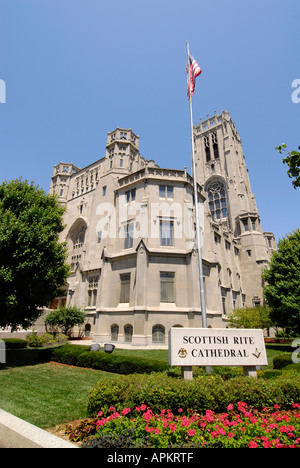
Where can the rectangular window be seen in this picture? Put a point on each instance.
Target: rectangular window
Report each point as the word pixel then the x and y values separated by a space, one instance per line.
pixel 245 224
pixel 99 238
pixel 162 191
pixel 128 236
pixel 130 195
pixel 167 287
pixel 92 291
pixel 223 295
pixel 104 190
pixel 125 288
pixel 170 191
pixel 92 297
pixel 166 191
pixel 166 233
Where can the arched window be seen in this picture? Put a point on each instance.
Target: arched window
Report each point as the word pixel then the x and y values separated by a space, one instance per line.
pixel 87 330
pixel 128 332
pixel 78 239
pixel 77 233
pixel 158 334
pixel 114 332
pixel 217 199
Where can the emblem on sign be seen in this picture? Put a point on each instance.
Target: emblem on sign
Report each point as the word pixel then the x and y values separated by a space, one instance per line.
pixel 182 353
pixel 256 354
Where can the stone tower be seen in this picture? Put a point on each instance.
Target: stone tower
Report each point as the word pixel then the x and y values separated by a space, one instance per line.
pixel 230 204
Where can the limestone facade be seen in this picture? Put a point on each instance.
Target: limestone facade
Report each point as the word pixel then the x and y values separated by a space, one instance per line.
pixel 130 236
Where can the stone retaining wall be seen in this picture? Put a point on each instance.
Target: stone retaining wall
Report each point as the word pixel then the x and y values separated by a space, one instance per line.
pixel 16 433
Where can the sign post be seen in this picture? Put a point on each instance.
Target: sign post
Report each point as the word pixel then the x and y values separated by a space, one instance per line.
pixel 216 347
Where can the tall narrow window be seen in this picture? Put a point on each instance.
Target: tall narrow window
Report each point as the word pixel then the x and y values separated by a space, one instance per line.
pixel 217 200
pixel 167 287
pixel 128 236
pixel 215 145
pixel 128 332
pixel 207 148
pixel 125 288
pixel 92 290
pixel 114 332
pixel 223 295
pixel 245 224
pixel 166 232
pixel 158 334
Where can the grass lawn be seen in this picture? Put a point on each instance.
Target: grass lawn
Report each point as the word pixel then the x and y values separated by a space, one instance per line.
pixel 46 394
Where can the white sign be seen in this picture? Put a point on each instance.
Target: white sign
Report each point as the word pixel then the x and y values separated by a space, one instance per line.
pixel 216 347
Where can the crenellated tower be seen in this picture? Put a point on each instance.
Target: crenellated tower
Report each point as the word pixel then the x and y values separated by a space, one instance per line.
pixel 230 204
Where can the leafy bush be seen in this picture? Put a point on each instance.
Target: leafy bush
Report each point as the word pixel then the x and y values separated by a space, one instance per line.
pixel 111 440
pixel 37 341
pixel 14 343
pixel 78 355
pixel 160 390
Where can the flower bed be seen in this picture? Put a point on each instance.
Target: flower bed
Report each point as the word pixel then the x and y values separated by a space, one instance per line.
pixel 240 427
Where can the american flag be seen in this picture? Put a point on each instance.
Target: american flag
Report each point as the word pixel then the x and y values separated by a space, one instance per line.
pixel 195 71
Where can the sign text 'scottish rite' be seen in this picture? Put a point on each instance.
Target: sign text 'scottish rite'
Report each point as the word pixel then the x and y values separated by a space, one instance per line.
pixel 216 347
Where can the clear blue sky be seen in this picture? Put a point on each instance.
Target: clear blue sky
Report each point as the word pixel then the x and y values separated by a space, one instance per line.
pixel 76 69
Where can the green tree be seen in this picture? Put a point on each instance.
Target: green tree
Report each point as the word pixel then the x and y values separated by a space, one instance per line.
pixel 293 161
pixel 65 318
pixel 282 283
pixel 250 317
pixel 32 260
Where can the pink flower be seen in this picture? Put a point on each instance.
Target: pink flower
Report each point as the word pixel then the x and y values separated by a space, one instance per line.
pixel 100 413
pixel 173 427
pixel 149 429
pixel 191 432
pixel 277 407
pixel 148 415
pixel 185 422
pixel 252 444
pixel 157 431
pixel 143 407
pixel 125 411
pixel 230 407
pixel 180 410
pixel 112 408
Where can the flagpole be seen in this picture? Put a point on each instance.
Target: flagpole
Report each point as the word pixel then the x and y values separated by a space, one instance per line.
pixel 198 239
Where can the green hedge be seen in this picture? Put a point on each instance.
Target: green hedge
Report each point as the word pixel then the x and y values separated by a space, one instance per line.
pixel 79 355
pixel 160 391
pixel 14 343
pixel 282 360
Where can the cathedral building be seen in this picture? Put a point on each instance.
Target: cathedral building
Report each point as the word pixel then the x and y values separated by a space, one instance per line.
pixel 130 232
